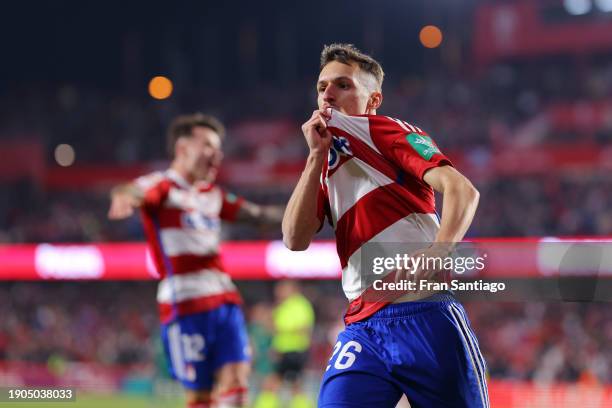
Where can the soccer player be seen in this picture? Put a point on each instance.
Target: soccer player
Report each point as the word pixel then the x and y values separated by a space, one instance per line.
pixel 374 178
pixel 203 328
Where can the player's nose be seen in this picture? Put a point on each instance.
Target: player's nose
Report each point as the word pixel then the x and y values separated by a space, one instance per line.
pixel 329 94
pixel 329 98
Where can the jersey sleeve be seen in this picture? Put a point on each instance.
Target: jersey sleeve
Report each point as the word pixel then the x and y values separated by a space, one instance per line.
pixel 230 206
pixel 155 188
pixel 416 154
pixel 407 146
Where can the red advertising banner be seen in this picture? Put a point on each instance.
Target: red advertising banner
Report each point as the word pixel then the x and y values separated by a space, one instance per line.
pixel 503 258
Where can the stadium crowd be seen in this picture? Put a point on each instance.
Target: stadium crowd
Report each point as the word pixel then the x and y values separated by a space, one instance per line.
pixel 115 323
pixel 525 104
pixel 537 205
pixel 505 106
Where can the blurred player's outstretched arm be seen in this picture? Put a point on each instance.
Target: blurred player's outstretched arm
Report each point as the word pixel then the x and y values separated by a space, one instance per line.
pixel 301 221
pixel 263 214
pixel 124 198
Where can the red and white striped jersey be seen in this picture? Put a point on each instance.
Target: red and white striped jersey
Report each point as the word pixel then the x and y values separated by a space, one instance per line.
pixel 182 224
pixel 372 190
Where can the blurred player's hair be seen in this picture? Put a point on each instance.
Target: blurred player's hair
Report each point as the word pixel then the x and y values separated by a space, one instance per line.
pixel 347 53
pixel 182 126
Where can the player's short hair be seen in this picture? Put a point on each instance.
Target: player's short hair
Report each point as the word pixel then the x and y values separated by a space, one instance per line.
pixel 347 53
pixel 182 126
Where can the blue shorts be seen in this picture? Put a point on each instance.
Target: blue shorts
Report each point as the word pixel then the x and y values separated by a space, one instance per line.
pixel 425 350
pixel 197 345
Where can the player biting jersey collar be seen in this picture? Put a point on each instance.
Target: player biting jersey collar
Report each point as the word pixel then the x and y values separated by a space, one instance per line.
pixel 373 178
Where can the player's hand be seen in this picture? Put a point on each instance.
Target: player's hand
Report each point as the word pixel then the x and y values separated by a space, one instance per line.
pixel 433 270
pixel 122 206
pixel 316 133
pixel 430 266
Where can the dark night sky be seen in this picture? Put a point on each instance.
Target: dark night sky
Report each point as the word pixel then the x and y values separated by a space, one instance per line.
pixel 103 43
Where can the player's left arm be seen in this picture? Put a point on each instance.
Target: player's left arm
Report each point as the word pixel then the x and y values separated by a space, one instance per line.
pixel 263 214
pixel 459 202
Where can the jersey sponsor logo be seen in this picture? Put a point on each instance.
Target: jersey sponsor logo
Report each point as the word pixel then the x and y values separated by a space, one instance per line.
pixel 340 147
pixel 423 145
pixel 199 221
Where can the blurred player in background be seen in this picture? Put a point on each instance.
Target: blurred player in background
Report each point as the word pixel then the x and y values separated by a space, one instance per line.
pixel 294 321
pixel 203 328
pixel 373 177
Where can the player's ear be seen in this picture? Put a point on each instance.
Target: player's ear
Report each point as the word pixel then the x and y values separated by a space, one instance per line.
pixel 375 100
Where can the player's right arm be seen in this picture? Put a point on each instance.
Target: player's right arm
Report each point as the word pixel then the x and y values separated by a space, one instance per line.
pixel 301 220
pixel 124 198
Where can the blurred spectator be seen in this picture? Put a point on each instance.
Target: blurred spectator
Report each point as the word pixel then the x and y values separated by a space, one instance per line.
pixel 294 320
pixel 114 323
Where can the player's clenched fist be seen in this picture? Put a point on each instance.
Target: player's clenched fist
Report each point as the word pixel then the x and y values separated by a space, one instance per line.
pixel 123 201
pixel 316 133
pixel 121 207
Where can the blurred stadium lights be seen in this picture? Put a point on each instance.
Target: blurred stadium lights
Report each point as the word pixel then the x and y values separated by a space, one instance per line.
pixel 577 7
pixel 430 36
pixel 581 7
pixel 160 87
pixel 604 5
pixel 64 155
